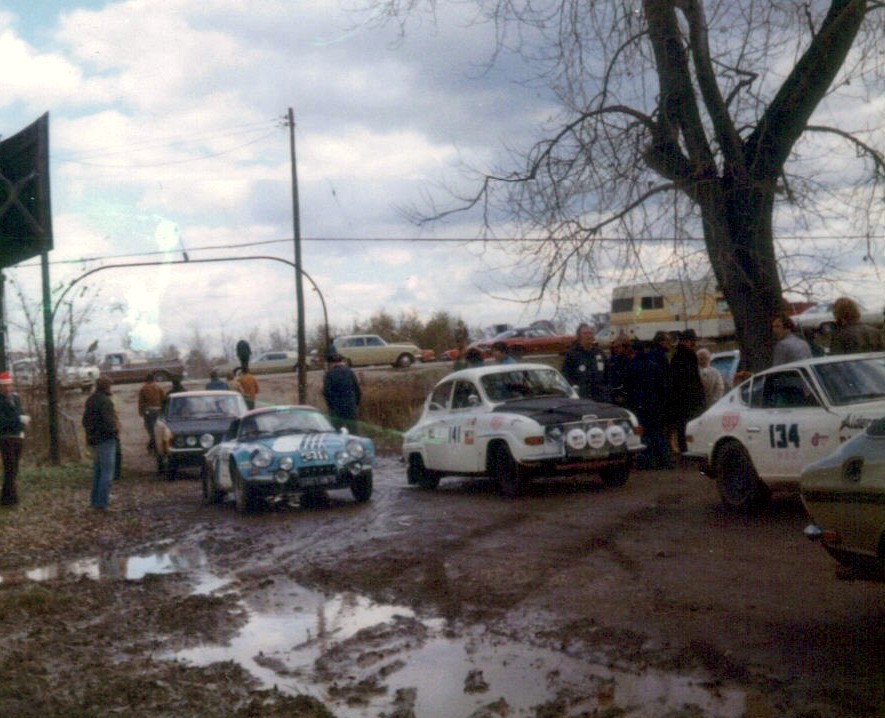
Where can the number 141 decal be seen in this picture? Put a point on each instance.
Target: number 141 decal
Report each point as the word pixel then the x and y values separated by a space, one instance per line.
pixel 782 435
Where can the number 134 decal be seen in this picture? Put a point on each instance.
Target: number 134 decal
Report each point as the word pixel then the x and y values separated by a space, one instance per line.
pixel 782 435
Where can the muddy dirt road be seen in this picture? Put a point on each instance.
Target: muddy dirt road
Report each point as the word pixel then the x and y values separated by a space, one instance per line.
pixel 574 600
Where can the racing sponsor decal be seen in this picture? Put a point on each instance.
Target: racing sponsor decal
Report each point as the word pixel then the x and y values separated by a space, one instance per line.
pixel 730 421
pixel 855 421
pixel 496 422
pixel 468 436
pixel 819 439
pixel 454 434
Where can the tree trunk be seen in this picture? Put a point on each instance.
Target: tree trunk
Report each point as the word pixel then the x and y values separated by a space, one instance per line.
pixel 740 243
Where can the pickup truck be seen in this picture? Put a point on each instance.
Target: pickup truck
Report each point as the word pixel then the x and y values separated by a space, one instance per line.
pixel 126 368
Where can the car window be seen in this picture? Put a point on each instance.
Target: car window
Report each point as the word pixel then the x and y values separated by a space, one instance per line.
pixel 374 342
pixel 439 399
pixel 524 384
pixel 782 390
pixel 853 380
pixel 461 395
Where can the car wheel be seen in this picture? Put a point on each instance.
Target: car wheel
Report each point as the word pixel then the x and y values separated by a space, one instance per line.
pixel 616 476
pixel 739 486
pixel 502 467
pixel 244 496
pixel 361 488
pixel 404 361
pixel 210 493
pixel 417 473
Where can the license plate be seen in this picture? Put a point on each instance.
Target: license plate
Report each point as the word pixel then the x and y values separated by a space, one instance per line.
pixel 316 480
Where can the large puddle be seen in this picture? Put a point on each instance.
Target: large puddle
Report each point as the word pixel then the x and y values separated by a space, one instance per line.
pixel 365 659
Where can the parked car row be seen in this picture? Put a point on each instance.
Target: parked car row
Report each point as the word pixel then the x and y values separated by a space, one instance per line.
pixel 815 426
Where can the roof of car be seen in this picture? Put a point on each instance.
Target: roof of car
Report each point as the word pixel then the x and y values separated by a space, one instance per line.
pixel 486 369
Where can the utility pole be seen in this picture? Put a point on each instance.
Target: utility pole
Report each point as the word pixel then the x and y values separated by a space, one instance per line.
pixel 299 288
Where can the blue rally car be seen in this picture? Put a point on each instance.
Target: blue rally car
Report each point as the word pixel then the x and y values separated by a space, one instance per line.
pixel 280 452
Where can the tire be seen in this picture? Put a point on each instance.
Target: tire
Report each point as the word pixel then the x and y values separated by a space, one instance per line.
pixel 617 476
pixel 737 481
pixel 244 496
pixel 210 493
pixel 404 361
pixel 503 468
pixel 417 473
pixel 361 488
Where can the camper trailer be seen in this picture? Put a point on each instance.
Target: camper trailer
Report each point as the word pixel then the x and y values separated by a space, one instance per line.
pixel 641 310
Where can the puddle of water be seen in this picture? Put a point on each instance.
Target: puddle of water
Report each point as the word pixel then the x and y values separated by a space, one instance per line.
pixel 292 631
pixel 397 651
pixel 164 560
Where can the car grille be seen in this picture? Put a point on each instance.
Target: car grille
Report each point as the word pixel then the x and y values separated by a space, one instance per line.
pixel 322 470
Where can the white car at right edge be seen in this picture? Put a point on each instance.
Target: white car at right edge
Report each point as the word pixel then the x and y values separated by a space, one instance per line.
pixel 760 435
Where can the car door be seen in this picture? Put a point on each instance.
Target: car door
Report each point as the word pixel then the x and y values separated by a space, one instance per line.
pixel 464 454
pixel 789 427
pixel 434 427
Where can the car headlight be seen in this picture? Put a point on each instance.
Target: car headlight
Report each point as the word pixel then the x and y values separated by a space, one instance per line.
pixel 554 434
pixel 353 451
pixel 191 441
pixel 286 463
pixel 207 440
pixel 261 457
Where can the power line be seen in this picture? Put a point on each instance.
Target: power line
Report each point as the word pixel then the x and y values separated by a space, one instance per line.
pixel 418 240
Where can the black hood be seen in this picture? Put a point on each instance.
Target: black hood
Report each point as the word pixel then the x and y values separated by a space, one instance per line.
pixel 560 410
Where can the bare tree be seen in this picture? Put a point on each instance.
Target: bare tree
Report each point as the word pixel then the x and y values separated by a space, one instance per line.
pixel 721 120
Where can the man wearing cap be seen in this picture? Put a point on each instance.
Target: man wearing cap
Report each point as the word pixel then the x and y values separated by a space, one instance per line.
pixel 102 429
pixel 12 427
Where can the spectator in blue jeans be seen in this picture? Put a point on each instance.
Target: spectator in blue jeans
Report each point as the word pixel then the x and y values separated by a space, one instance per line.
pixel 102 430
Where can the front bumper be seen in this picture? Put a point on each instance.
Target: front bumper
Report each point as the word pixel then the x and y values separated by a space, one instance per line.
pixel 323 478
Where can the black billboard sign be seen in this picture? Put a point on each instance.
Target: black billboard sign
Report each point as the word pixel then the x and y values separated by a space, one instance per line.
pixel 25 210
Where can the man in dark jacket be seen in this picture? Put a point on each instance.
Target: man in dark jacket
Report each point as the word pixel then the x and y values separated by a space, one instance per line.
pixel 584 365
pixel 645 394
pixel 12 426
pixel 686 389
pixel 341 390
pixel 102 430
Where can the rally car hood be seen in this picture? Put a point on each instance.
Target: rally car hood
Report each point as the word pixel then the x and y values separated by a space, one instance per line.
pixel 560 410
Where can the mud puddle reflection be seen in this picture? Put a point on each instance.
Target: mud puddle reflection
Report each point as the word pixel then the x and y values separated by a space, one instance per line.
pixel 365 659
pixel 165 558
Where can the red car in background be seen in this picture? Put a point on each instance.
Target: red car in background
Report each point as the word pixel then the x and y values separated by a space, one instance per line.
pixel 528 340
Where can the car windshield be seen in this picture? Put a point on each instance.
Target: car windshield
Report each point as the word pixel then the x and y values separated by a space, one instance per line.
pixel 204 407
pixel 277 423
pixel 524 384
pixel 853 380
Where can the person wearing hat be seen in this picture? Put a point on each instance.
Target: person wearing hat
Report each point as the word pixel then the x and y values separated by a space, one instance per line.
pixel 341 390
pixel 12 427
pixel 102 431
pixel 687 398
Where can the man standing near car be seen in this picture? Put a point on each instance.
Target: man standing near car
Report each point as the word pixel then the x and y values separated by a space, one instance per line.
pixel 150 401
pixel 584 365
pixel 341 390
pixel 102 431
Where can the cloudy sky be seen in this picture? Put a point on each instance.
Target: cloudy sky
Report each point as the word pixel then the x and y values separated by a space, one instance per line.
pixel 168 134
